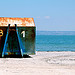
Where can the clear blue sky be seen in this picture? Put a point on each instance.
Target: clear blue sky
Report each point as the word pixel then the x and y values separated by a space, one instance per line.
pixel 49 15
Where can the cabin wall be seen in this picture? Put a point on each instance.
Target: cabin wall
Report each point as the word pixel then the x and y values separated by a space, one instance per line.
pixel 27 36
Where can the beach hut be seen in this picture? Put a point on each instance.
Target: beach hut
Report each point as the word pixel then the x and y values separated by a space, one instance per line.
pixel 17 36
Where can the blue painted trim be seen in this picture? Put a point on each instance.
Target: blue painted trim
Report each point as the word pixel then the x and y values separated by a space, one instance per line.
pixel 5 41
pixel 20 42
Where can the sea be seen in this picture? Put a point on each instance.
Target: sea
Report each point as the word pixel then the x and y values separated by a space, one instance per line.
pixel 55 40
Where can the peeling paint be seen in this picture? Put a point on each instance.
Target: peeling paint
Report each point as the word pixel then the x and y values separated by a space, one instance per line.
pixel 19 39
pixel 4 21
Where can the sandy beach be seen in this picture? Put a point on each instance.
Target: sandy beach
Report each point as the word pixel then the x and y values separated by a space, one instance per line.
pixel 43 63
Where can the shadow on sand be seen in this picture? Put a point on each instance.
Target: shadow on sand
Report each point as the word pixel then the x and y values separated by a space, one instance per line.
pixel 16 56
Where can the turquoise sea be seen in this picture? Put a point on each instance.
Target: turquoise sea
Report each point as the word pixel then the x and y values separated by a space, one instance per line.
pixel 55 41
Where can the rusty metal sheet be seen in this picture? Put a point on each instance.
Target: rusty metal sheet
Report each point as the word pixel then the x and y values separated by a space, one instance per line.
pixel 21 22
pixel 26 32
pixel 27 36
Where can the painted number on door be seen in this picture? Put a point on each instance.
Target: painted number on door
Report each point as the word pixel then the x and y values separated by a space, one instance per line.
pixel 23 32
pixel 1 32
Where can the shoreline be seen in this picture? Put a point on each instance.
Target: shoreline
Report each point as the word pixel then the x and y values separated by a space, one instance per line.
pixel 55 51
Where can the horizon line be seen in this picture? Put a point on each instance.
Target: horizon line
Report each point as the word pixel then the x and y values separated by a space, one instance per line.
pixel 55 31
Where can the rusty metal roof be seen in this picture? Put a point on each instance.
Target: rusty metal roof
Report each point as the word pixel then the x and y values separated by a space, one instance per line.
pixel 4 21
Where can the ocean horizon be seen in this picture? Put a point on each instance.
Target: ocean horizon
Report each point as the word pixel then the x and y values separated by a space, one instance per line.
pixel 55 32
pixel 55 41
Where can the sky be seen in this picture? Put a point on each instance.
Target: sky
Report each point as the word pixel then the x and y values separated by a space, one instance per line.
pixel 49 15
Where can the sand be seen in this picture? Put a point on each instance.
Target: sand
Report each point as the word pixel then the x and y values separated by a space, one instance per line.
pixel 43 63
